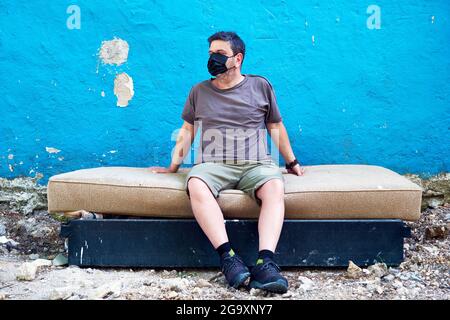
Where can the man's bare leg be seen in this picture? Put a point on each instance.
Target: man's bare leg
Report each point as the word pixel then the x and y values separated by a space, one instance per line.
pixel 271 216
pixel 266 274
pixel 210 218
pixel 207 212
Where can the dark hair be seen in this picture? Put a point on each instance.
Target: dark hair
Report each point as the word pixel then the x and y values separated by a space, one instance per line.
pixel 237 45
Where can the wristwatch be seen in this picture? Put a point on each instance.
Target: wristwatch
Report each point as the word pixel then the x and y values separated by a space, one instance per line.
pixel 291 164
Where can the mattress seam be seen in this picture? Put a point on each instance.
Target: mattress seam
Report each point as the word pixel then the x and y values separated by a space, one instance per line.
pixel 166 188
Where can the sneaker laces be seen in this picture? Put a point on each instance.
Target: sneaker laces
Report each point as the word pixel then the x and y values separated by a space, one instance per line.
pixel 230 263
pixel 271 265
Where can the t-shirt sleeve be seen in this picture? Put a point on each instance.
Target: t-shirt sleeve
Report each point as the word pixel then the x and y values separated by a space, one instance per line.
pixel 188 113
pixel 273 112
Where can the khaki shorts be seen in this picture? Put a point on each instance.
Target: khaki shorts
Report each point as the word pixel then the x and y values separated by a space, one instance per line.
pixel 247 176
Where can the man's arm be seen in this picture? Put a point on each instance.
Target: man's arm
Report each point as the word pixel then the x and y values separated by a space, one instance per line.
pixel 183 144
pixel 280 137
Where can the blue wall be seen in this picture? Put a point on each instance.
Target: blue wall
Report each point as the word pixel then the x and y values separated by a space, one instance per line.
pixel 355 95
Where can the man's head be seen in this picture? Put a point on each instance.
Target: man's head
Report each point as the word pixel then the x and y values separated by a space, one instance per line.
pixel 230 45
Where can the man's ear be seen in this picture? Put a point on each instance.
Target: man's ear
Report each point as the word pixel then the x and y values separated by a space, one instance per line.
pixel 242 58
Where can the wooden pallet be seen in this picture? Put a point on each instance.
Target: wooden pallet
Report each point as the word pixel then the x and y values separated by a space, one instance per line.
pixel 168 243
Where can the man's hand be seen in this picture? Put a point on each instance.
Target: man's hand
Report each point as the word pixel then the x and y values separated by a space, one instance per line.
pixel 184 140
pixel 162 170
pixel 279 136
pixel 297 169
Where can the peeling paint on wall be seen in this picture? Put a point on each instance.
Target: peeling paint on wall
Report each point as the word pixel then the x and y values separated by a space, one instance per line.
pixel 114 51
pixel 52 150
pixel 123 89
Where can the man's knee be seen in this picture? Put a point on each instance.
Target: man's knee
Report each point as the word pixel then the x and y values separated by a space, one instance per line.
pixel 198 189
pixel 272 189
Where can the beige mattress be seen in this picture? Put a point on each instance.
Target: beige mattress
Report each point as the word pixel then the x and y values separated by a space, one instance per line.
pixel 342 191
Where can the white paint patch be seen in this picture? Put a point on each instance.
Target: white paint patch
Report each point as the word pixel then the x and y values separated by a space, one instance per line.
pixel 103 94
pixel 313 38
pixel 123 89
pixel 81 256
pixel 11 168
pixel 112 151
pixel 52 150
pixel 114 51
pixel 60 158
pixel 432 19
pixel 10 156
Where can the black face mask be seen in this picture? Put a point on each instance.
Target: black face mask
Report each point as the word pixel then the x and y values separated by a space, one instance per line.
pixel 217 64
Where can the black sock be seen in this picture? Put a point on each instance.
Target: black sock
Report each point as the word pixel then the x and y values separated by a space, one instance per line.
pixel 224 247
pixel 264 254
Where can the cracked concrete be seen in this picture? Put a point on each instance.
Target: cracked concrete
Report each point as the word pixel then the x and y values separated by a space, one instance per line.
pixel 23 194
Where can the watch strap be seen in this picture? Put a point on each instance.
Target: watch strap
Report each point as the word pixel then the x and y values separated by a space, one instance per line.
pixel 291 164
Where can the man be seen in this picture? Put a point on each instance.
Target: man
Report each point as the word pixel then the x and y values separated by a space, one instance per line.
pixel 233 108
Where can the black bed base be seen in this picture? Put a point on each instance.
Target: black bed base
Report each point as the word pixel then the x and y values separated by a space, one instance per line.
pixel 170 243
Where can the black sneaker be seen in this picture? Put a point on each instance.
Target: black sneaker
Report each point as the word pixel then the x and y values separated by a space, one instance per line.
pixel 234 269
pixel 266 276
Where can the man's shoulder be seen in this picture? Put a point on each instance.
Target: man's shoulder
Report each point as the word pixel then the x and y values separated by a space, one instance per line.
pixel 200 85
pixel 260 79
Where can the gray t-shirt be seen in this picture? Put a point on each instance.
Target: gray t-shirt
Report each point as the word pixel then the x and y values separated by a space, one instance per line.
pixel 232 121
